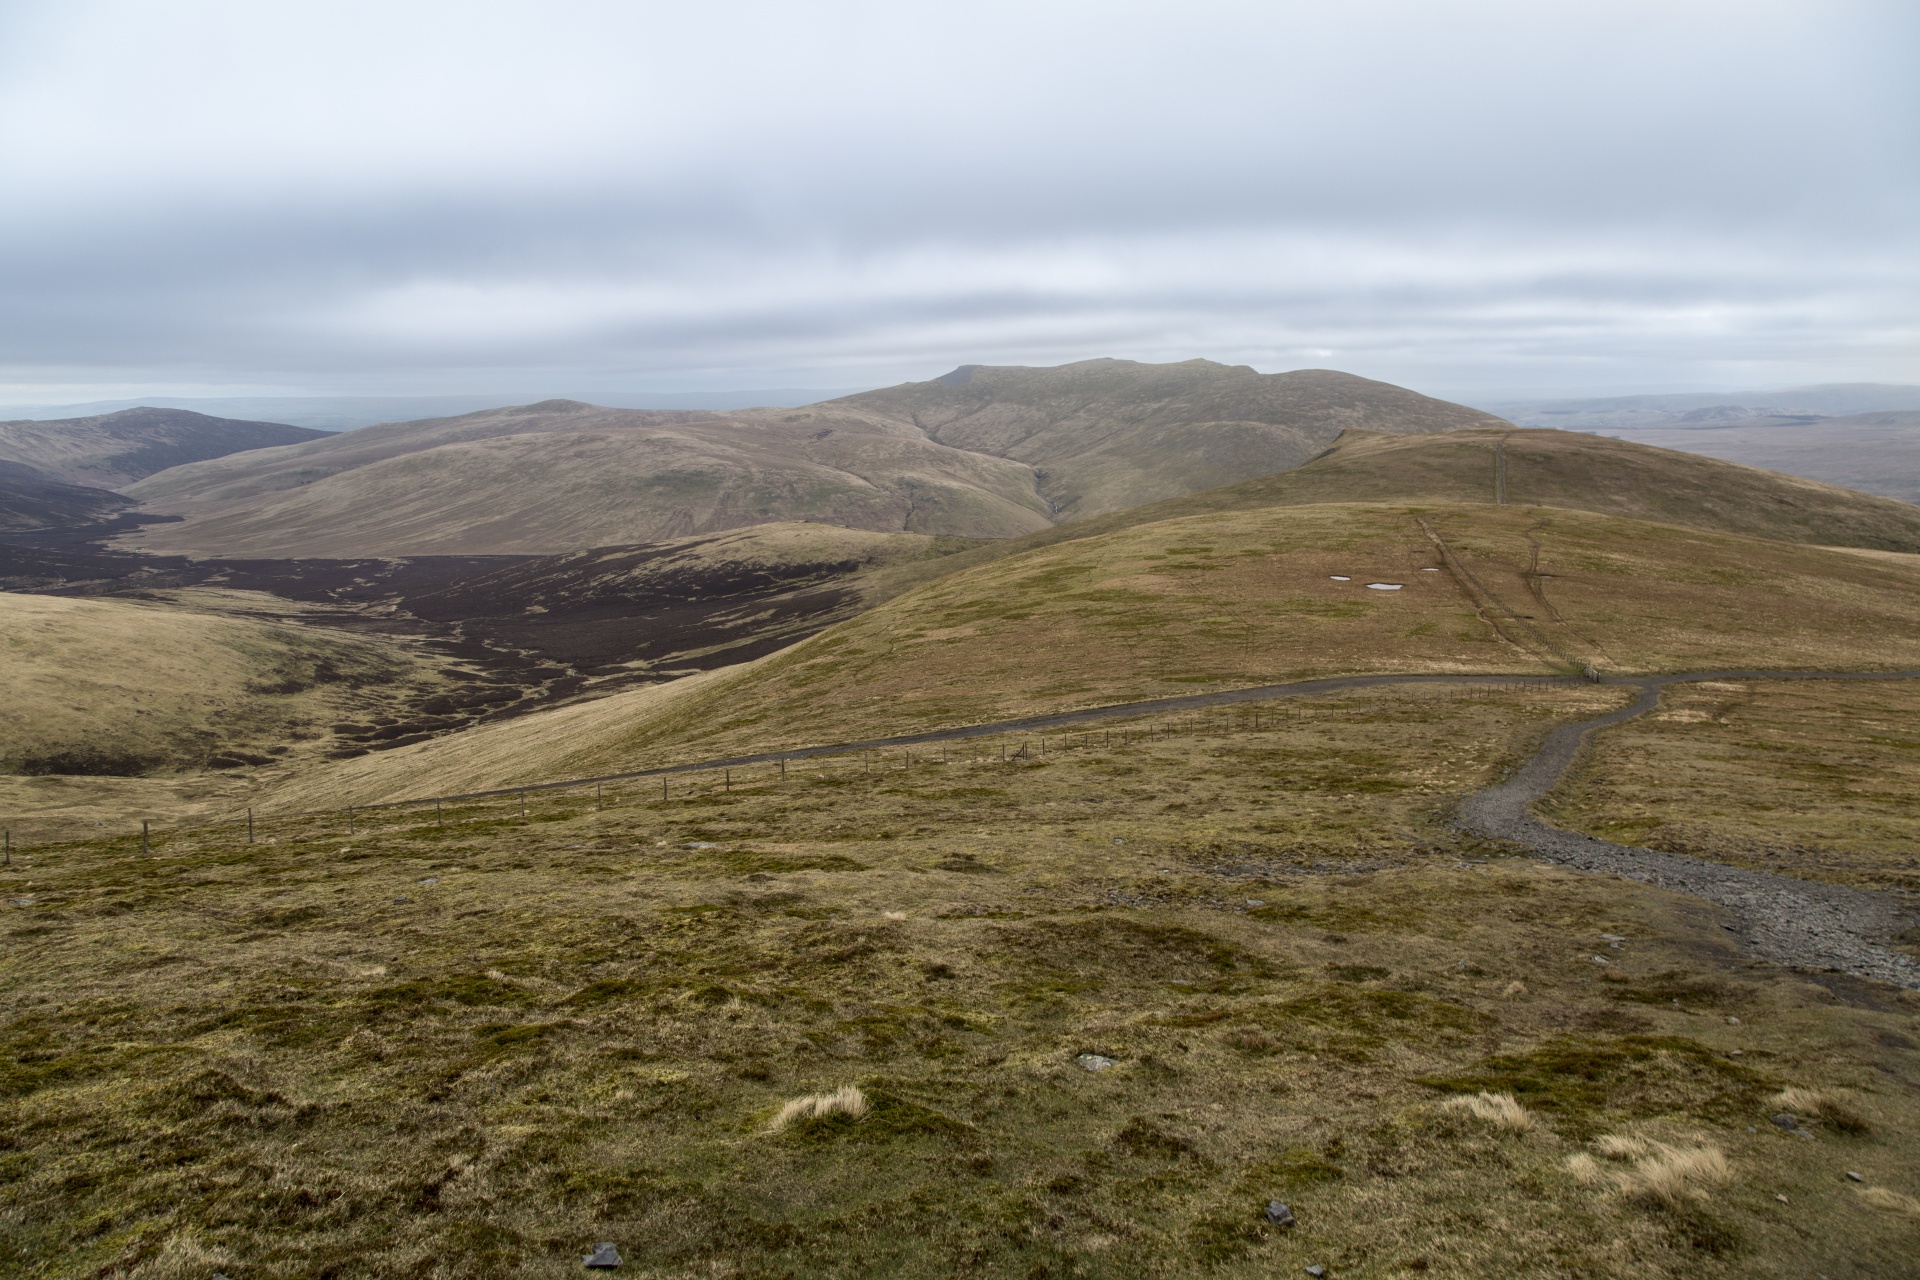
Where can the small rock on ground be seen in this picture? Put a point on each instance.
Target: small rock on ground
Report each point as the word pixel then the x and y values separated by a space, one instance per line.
pixel 605 1256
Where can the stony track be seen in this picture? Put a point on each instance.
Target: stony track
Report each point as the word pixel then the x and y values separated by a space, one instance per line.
pixel 1779 918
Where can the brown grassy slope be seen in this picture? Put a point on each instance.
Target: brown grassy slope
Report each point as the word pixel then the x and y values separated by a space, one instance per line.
pixel 114 449
pixel 117 688
pixel 474 1050
pixel 1811 779
pixel 560 476
pixel 1228 600
pixel 1111 434
pixel 1550 468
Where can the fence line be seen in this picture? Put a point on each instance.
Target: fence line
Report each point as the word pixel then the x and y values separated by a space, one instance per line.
pixel 1034 724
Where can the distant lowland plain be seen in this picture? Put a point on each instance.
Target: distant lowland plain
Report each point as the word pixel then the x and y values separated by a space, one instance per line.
pixel 1111 819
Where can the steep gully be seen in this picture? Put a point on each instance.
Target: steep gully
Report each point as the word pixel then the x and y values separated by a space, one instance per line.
pixel 1779 918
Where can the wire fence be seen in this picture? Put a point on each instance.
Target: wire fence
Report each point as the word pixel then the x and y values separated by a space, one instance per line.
pixel 1034 738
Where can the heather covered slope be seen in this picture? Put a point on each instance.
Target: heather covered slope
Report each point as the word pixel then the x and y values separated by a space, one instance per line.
pixel 112 450
pixel 1110 434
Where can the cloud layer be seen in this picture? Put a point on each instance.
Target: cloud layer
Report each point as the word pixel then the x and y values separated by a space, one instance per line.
pixel 423 197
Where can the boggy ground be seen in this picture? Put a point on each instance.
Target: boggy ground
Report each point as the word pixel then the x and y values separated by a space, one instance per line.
pixel 475 1047
pixel 1777 775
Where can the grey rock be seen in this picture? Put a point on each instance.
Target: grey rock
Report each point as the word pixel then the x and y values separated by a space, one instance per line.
pixel 1096 1061
pixel 1854 1177
pixel 1787 1120
pixel 605 1257
pixel 1279 1214
pixel 1316 1271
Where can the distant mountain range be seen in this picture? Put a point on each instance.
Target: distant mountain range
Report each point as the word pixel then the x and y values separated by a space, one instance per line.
pixel 1703 408
pixel 109 450
pixel 343 413
pixel 982 452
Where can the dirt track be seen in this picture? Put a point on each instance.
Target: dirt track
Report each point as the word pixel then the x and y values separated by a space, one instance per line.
pixel 1778 918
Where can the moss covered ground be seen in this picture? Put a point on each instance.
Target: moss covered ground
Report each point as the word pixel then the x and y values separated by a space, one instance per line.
pixel 474 1047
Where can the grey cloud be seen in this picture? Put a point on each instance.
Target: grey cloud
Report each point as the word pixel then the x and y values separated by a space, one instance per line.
pixel 1493 195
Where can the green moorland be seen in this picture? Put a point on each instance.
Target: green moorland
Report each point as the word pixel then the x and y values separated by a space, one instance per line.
pixel 1221 600
pixel 477 1045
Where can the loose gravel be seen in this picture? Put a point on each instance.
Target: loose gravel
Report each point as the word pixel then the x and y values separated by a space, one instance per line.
pixel 1778 918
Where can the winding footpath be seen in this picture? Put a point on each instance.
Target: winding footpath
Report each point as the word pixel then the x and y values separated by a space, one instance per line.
pixel 1779 918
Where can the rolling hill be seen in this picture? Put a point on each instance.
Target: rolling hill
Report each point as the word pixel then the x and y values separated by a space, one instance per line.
pixel 32 500
pixel 1104 435
pixel 113 450
pixel 1218 600
pixel 116 688
pixel 984 453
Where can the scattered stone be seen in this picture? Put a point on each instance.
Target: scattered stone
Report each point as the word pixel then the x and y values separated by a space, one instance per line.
pixel 1787 1120
pixel 1096 1061
pixel 1604 960
pixel 1733 1022
pixel 1612 937
pixel 1782 1199
pixel 1854 1177
pixel 1256 902
pixel 701 844
pixel 1279 1214
pixel 403 899
pixel 1316 1270
pixel 604 1257
pixel 431 880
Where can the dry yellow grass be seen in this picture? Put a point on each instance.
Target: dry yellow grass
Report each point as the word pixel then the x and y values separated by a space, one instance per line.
pixel 847 1101
pixel 118 688
pixel 1655 1173
pixel 1501 1110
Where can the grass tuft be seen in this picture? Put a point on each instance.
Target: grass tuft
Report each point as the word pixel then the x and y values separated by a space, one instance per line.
pixel 1501 1110
pixel 847 1101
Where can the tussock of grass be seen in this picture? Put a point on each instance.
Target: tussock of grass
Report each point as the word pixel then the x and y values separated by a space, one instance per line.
pixel 1891 1201
pixel 847 1101
pixel 1501 1110
pixel 1822 1106
pixel 1653 1173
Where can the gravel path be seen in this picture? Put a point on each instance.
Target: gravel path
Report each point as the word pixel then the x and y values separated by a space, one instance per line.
pixel 1779 918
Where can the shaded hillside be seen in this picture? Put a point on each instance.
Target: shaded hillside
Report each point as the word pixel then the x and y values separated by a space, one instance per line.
pixel 985 453
pixel 561 476
pixel 118 688
pixel 112 450
pixel 1872 452
pixel 1110 434
pixel 1227 599
pixel 30 499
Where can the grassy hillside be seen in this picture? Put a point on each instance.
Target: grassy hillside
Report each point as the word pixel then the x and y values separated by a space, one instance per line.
pixel 561 476
pixel 475 1049
pixel 110 450
pixel 118 689
pixel 1558 469
pixel 1110 434
pixel 1232 599
pixel 31 500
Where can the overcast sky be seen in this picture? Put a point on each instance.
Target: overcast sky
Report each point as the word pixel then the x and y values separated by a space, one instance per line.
pixel 410 196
